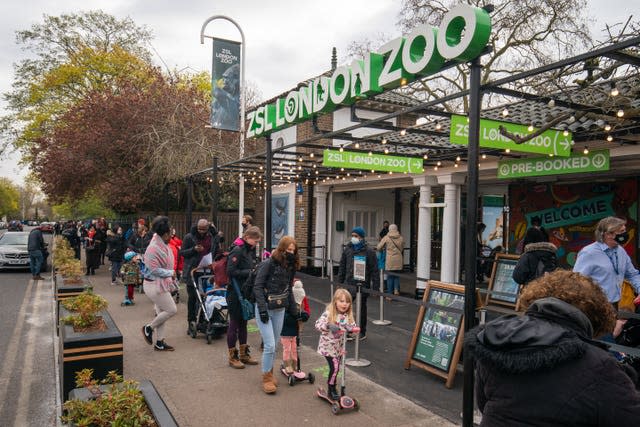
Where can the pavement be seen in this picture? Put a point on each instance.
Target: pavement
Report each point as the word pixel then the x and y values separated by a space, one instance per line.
pixel 200 388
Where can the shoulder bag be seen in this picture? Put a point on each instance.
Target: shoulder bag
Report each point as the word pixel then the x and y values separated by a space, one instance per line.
pixel 248 311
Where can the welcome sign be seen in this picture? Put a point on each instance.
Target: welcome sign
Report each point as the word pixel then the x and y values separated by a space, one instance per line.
pixel 377 162
pixel 461 36
pixel 575 213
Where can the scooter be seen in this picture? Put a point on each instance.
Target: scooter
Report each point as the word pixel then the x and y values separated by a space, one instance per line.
pixel 345 403
pixel 298 375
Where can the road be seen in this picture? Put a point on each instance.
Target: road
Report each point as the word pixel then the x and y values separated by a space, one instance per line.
pixel 27 377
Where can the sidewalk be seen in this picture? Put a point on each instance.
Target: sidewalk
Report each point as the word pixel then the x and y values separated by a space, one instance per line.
pixel 201 389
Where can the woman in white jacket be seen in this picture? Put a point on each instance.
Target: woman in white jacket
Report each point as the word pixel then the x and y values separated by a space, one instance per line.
pixel 393 245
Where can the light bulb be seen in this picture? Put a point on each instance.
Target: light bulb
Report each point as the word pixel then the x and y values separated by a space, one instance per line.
pixel 386 151
pixel 425 157
pixel 458 159
pixel 357 145
pixel 384 141
pixel 508 150
pixel 311 155
pixel 484 156
pixel 620 113
pixel 370 153
pixel 530 128
pixel 505 112
pixel 614 91
pixel 403 132
pixel 551 103
pixel 438 126
pixel 565 133
pixel 609 138
pixel 341 149
pixel 586 150
pixel 607 127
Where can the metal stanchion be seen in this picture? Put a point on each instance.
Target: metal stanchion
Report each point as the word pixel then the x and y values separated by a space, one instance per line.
pixel 381 321
pixel 331 278
pixel 324 261
pixel 356 360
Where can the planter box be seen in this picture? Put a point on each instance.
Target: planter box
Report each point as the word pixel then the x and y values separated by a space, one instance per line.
pixel 63 291
pixel 154 401
pixel 101 351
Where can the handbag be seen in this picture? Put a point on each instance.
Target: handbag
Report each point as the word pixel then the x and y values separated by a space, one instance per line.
pixel 248 311
pixel 275 302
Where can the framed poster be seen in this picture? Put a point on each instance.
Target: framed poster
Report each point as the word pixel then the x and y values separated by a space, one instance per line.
pixel 436 343
pixel 502 281
pixel 279 217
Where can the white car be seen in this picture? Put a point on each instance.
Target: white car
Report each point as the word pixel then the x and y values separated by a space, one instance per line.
pixel 13 251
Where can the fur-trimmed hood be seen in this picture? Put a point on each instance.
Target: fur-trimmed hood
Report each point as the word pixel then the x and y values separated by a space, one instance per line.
pixel 550 333
pixel 541 246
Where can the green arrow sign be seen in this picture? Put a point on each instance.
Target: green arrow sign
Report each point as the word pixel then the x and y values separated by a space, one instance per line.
pixel 595 161
pixel 548 142
pixel 377 162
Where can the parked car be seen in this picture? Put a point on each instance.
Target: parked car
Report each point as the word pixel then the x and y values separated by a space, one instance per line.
pixel 13 251
pixel 46 227
pixel 3 225
pixel 15 225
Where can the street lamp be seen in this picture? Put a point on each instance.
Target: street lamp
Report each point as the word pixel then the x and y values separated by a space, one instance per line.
pixel 242 105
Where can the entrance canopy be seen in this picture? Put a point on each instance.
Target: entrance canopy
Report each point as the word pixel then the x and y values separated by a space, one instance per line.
pixel 593 99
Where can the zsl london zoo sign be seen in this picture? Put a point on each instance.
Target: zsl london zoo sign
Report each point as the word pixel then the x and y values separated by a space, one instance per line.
pixel 463 33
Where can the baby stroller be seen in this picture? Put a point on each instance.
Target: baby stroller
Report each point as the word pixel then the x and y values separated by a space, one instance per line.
pixel 212 312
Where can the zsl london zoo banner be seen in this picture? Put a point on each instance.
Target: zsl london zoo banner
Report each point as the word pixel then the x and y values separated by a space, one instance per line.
pixel 225 85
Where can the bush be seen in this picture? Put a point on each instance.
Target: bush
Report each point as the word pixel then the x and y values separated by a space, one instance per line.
pixel 121 404
pixel 85 306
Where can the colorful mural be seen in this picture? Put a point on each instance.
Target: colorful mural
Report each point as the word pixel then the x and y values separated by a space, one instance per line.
pixel 570 212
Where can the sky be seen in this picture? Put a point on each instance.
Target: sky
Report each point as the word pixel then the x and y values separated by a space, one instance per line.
pixel 287 41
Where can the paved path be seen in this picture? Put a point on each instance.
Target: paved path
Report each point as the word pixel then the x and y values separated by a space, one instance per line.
pixel 201 389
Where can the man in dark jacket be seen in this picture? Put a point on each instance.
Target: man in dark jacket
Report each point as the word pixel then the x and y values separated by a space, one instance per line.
pixel 539 257
pixel 200 241
pixel 357 255
pixel 116 248
pixel 36 248
pixel 70 232
pixel 544 369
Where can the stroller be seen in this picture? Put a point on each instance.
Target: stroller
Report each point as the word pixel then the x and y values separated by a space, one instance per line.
pixel 212 312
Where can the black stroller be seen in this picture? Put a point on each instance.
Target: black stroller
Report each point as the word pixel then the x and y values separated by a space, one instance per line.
pixel 212 312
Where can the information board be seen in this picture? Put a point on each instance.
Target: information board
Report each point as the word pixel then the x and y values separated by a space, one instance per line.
pixel 437 338
pixel 503 289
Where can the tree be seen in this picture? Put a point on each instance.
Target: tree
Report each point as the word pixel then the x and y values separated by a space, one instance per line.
pixel 526 34
pixel 9 198
pixel 74 55
pixel 89 206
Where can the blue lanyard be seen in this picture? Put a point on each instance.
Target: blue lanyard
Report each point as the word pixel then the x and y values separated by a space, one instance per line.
pixel 609 253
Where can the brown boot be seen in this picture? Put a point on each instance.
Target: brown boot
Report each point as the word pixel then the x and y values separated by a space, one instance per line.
pixel 234 362
pixel 273 379
pixel 267 383
pixel 245 357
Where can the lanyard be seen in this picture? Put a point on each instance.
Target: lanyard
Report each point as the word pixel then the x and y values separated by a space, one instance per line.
pixel 613 253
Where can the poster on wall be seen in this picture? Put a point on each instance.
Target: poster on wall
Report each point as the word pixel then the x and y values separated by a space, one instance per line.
pixel 279 217
pixel 570 212
pixel 493 218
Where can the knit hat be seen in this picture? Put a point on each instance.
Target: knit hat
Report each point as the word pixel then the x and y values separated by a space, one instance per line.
pixel 298 291
pixel 129 256
pixel 359 231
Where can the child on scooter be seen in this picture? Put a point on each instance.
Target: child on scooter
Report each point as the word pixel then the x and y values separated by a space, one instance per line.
pixel 291 328
pixel 131 273
pixel 334 322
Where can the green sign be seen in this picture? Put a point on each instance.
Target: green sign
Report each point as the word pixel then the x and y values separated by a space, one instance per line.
pixel 375 162
pixel 575 213
pixel 595 161
pixel 548 142
pixel 439 330
pixel 461 36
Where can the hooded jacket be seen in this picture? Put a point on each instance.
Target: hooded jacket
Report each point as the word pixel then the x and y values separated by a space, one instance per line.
pixel 543 369
pixel 345 272
pixel 393 244
pixel 527 268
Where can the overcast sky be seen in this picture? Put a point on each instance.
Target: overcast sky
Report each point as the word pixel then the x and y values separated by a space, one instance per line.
pixel 287 41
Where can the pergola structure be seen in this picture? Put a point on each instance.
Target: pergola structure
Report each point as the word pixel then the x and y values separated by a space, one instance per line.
pixel 595 96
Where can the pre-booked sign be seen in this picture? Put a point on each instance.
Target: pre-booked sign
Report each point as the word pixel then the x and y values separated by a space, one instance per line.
pixel 375 162
pixel 550 141
pixel 595 161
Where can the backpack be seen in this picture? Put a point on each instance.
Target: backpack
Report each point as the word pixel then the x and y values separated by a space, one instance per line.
pixel 220 270
pixel 247 287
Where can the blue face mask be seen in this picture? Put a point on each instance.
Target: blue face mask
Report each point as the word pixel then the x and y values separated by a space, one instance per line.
pixel 355 241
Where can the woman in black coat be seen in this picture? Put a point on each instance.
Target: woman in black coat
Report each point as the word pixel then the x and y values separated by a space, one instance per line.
pixel 240 262
pixel 544 369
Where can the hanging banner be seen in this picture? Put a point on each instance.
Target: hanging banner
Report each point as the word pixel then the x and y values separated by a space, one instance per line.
pixel 225 85
pixel 595 161
pixel 373 162
pixel 550 141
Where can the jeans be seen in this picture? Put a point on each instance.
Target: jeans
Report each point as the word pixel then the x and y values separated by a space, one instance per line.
pixel 115 269
pixel 393 283
pixel 270 332
pixel 35 262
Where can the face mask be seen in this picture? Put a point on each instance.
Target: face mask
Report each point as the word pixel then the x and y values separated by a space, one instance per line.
pixel 355 240
pixel 621 238
pixel 291 257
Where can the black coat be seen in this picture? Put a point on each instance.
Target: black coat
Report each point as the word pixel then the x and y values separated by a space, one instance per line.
pixel 192 257
pixel 274 279
pixel 240 262
pixel 527 268
pixel 372 274
pixel 138 243
pixel 290 324
pixel 542 369
pixel 116 246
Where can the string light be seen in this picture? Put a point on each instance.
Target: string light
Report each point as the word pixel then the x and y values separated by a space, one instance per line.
pixel 551 103
pixel 505 112
pixel 425 157
pixel 565 133
pixel 370 153
pixel 607 127
pixel 384 141
pixel 609 138
pixel 484 156
pixel 341 149
pixel 311 155
pixel 386 151
pixel 403 132
pixel 508 150
pixel 357 145
pixel 530 128
pixel 620 113
pixel 614 90
pixel 586 150
pixel 458 159
pixel 438 126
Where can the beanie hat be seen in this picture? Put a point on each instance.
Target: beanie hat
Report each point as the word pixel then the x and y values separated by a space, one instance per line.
pixel 298 291
pixel 129 256
pixel 359 231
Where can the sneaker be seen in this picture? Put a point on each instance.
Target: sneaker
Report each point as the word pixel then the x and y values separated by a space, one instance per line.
pixel 350 337
pixel 38 277
pixel 162 346
pixel 147 332
pixel 113 283
pixel 362 337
